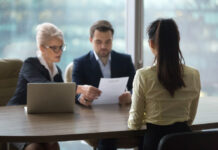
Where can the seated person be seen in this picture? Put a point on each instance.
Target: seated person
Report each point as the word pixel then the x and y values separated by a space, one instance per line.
pixel 50 43
pixel 165 96
pixel 102 62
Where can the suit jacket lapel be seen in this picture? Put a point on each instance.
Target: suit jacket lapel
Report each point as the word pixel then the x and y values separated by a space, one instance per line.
pixel 114 63
pixel 95 66
pixel 44 70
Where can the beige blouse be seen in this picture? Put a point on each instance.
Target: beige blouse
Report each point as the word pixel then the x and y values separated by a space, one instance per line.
pixel 152 103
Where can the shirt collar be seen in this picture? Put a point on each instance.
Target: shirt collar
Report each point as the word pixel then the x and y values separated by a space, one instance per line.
pixel 43 62
pixel 98 59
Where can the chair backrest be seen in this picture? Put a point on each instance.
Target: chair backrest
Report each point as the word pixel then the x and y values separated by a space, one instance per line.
pixel 9 71
pixel 68 72
pixel 200 140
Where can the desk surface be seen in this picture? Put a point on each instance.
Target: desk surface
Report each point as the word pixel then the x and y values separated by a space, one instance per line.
pixel 100 121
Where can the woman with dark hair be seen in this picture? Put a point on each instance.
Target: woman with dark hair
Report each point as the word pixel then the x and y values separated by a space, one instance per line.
pixel 165 96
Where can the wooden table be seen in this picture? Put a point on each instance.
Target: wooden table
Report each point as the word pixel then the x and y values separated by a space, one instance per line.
pixel 100 121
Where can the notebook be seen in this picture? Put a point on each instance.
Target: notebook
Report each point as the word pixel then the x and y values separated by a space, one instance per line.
pixel 50 97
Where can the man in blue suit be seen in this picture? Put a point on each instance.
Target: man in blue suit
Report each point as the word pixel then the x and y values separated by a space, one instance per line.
pixel 102 62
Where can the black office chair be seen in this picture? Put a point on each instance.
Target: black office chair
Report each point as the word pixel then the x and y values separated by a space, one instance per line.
pixel 199 140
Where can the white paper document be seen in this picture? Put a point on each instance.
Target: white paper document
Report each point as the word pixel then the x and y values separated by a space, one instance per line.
pixel 111 89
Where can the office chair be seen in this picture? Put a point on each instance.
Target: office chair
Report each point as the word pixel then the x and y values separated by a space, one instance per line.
pixel 68 73
pixel 199 140
pixel 9 71
pixel 121 143
pixel 128 142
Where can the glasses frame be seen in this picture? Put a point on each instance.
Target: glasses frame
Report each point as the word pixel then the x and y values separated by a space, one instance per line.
pixel 57 49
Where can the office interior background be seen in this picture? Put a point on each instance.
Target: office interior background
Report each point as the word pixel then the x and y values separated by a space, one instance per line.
pixel 197 21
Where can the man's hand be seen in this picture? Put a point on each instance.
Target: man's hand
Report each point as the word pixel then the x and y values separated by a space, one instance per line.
pixel 85 101
pixel 125 98
pixel 89 93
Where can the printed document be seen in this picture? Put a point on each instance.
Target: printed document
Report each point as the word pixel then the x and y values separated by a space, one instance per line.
pixel 111 89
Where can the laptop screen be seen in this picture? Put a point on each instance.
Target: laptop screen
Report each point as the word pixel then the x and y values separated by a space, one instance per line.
pixel 50 97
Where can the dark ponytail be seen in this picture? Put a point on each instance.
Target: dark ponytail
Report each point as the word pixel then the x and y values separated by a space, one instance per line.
pixel 165 35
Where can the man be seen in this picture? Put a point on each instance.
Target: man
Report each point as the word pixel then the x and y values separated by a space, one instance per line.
pixel 102 62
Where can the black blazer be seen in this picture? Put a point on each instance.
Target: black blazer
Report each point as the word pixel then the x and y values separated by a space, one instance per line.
pixel 86 69
pixel 32 71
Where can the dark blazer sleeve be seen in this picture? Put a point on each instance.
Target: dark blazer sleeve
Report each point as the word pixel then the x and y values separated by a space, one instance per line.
pixel 77 75
pixel 131 73
pixel 31 72
pixel 122 66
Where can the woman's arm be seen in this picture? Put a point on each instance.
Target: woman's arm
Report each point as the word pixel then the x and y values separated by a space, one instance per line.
pixel 194 104
pixel 137 110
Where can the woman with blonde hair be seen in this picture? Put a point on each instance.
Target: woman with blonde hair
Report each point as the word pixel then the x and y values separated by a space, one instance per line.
pixel 40 69
pixel 165 96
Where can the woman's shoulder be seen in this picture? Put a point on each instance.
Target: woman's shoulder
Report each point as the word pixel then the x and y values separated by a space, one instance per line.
pixel 31 62
pixel 147 70
pixel 31 59
pixel 190 70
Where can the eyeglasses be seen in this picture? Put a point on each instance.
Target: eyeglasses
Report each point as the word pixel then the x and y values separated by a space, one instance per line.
pixel 57 49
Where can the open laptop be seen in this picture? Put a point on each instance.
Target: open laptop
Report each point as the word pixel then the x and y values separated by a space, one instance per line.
pixel 50 97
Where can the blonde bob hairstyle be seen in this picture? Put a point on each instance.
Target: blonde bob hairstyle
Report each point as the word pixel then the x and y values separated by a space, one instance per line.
pixel 46 32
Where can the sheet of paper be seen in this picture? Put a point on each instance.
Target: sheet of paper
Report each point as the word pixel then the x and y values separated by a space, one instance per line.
pixel 111 89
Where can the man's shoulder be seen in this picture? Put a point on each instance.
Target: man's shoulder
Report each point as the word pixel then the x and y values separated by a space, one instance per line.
pixel 120 55
pixel 83 57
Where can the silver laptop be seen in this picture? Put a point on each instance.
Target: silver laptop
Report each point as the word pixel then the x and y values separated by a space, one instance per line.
pixel 50 97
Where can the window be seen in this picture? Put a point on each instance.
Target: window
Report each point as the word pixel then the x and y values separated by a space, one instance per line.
pixel 19 19
pixel 198 26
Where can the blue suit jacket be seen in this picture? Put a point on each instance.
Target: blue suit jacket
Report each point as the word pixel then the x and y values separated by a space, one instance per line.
pixel 87 70
pixel 31 72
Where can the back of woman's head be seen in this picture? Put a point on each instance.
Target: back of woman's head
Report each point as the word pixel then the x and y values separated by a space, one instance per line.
pixel 165 36
pixel 46 32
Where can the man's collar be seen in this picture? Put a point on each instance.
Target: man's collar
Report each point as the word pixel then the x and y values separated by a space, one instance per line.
pixel 98 59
